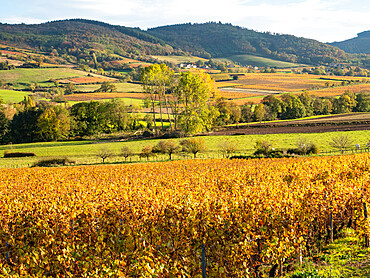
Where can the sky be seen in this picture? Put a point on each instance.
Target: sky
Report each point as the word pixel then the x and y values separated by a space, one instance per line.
pixel 323 20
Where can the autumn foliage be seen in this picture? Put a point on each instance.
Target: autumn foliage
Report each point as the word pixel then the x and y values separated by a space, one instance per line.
pixel 151 219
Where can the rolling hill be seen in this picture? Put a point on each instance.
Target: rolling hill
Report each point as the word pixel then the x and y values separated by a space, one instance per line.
pixel 75 40
pixel 225 40
pixel 98 44
pixel 360 44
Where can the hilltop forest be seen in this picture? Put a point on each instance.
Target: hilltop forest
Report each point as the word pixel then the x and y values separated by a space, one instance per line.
pixel 76 41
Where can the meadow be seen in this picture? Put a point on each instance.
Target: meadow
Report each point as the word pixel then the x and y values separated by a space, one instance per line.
pixel 22 78
pixel 85 152
pixel 246 59
pixel 12 96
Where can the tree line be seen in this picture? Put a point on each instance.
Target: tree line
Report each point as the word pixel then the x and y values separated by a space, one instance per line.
pixel 43 121
pixel 290 106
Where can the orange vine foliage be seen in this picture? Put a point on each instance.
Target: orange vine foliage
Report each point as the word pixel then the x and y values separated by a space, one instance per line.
pixel 151 219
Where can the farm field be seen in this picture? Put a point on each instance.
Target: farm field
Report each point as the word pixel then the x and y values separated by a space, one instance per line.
pixel 121 87
pixel 277 82
pixel 131 62
pixel 134 97
pixel 11 61
pixel 12 96
pixel 21 78
pixel 85 152
pixel 88 79
pixel 246 59
pixel 328 92
pixel 156 219
pixel 252 87
pixel 179 59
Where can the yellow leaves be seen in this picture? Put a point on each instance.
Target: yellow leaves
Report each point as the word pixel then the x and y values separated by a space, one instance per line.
pixel 155 217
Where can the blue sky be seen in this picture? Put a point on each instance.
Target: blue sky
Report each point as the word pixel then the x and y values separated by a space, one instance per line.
pixel 324 20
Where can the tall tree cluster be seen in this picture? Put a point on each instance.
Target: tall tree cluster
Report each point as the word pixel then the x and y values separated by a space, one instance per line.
pixel 184 99
pixel 47 122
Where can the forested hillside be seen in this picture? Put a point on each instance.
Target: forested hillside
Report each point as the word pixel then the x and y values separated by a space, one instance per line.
pixel 360 44
pixel 76 40
pixel 93 43
pixel 223 40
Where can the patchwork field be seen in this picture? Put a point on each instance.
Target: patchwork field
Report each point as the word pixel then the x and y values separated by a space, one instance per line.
pixel 251 87
pixel 329 92
pixel 278 82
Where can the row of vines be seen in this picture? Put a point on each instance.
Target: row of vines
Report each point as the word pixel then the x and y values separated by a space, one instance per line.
pixel 151 220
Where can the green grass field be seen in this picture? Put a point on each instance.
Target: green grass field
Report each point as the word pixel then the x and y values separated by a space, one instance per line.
pixel 21 78
pixel 12 96
pixel 257 61
pixel 84 152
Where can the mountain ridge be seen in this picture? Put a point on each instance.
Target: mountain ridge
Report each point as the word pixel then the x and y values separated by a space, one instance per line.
pixel 359 44
pixel 77 39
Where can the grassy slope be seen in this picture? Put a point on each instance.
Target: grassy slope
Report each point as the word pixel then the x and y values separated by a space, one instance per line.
pixel 13 96
pixel 246 59
pixel 179 59
pixel 121 87
pixel 85 151
pixel 23 77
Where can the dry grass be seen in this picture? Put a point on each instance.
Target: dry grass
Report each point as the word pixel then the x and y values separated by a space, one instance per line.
pixel 234 95
pixel 286 82
pixel 242 101
pixel 81 80
pixel 337 91
pixel 12 52
pixel 11 62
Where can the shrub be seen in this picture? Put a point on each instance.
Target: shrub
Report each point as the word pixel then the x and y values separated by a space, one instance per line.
pixel 263 148
pixel 17 154
pixel 53 162
pixel 310 149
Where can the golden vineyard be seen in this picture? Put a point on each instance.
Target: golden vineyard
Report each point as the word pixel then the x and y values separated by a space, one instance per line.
pixel 154 220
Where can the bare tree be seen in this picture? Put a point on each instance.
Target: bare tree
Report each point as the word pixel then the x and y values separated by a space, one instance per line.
pixel 193 146
pixel 146 152
pixel 126 152
pixel 104 153
pixel 227 147
pixel 166 147
pixel 341 142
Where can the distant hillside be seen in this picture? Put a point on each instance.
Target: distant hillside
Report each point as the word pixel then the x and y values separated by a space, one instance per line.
pixel 224 40
pixel 361 44
pixel 101 45
pixel 77 39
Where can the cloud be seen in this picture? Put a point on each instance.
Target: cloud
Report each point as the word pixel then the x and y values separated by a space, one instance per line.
pixel 25 20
